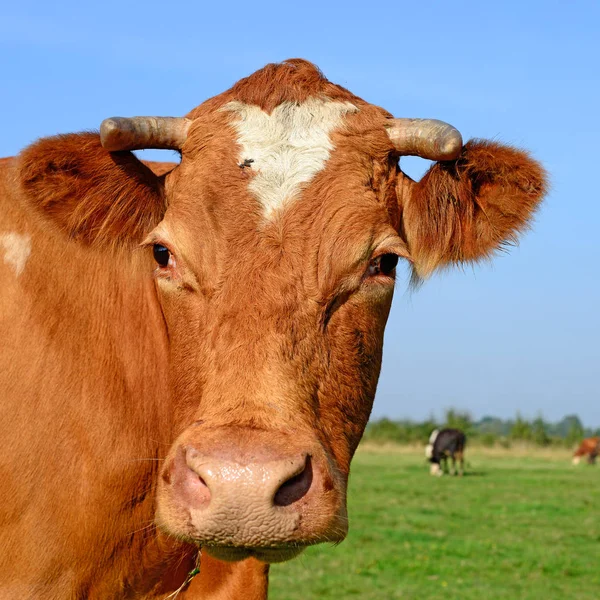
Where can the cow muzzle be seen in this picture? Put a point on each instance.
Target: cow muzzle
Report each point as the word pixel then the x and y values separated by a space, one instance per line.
pixel 238 493
pixel 436 470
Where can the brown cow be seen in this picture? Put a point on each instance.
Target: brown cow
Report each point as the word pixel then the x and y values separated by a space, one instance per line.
pixel 590 448
pixel 189 356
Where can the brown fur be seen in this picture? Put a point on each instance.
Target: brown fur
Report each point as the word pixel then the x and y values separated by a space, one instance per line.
pixel 294 80
pixel 226 581
pixel 274 329
pixel 92 195
pixel 589 447
pixel 475 205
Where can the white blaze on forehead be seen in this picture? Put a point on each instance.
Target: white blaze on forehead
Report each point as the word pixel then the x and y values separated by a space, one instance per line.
pixel 429 447
pixel 16 248
pixel 287 147
pixel 433 436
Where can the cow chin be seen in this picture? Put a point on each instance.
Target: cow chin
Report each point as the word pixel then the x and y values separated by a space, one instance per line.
pixel 239 492
pixel 266 555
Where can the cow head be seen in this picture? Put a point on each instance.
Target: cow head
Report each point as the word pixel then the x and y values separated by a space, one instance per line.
pixel 273 247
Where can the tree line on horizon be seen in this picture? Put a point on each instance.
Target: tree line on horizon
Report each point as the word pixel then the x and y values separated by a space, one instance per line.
pixel 488 431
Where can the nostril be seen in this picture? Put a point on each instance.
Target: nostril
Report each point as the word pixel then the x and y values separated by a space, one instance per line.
pixel 189 478
pixel 166 474
pixel 295 487
pixel 195 489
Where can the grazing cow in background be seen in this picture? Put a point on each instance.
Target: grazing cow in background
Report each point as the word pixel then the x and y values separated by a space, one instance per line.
pixel 190 352
pixel 444 444
pixel 590 448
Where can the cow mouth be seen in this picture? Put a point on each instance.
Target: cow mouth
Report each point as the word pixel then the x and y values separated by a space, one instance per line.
pixel 267 555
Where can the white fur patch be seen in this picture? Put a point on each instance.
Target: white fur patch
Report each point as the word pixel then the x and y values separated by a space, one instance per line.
pixel 287 147
pixel 435 470
pixel 16 248
pixel 429 447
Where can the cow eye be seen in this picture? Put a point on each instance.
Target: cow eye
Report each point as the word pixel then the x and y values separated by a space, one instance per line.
pixel 161 254
pixel 383 265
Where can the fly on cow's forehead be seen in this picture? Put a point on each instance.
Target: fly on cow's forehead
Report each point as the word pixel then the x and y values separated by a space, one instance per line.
pixel 289 146
pixel 247 162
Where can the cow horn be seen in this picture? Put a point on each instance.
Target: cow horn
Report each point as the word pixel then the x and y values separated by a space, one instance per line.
pixel 137 133
pixel 427 138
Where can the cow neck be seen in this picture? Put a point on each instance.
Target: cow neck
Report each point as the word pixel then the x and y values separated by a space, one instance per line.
pixel 104 358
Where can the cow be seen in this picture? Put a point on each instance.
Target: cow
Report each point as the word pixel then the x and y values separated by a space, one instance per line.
pixel 444 444
pixel 590 448
pixel 190 351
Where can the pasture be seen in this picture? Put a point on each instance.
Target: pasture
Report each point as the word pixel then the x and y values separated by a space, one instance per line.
pixel 520 525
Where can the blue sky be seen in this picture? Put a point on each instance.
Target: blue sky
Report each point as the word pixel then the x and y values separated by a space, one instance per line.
pixel 521 333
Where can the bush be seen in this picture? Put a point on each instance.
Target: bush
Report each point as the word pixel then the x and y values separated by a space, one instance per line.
pixel 459 420
pixel 488 440
pixel 521 430
pixel 489 431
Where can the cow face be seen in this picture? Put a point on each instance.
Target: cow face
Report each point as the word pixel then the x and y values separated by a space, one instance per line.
pixel 272 248
pixel 279 246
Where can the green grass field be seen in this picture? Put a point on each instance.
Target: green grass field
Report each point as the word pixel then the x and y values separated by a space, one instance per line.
pixel 519 527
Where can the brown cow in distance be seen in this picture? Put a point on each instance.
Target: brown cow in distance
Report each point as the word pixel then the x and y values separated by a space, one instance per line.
pixel 590 448
pixel 190 353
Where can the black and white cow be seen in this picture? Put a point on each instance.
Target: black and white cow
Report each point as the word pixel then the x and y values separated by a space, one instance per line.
pixel 444 443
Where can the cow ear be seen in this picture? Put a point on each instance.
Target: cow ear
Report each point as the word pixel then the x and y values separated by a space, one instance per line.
pixel 466 209
pixel 94 196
